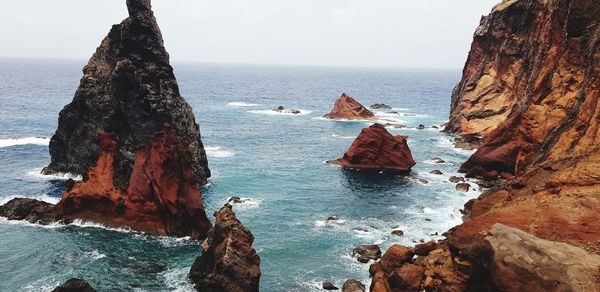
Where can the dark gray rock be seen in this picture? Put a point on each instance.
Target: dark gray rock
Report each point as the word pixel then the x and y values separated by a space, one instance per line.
pixel 128 90
pixel 75 285
pixel 364 253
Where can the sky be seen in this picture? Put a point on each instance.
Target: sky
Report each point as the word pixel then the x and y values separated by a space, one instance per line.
pixel 363 33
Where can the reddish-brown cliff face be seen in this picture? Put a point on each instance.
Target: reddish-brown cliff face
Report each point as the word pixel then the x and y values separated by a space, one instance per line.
pixel 163 197
pixel 348 108
pixel 375 149
pixel 530 88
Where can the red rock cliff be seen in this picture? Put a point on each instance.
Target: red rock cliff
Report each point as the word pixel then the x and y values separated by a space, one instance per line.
pixel 375 149
pixel 531 88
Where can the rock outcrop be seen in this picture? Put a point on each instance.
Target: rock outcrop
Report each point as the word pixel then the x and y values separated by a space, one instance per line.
pixel 228 261
pixel 503 259
pixel 132 137
pixel 348 108
pixel 75 285
pixel 375 149
pixel 531 88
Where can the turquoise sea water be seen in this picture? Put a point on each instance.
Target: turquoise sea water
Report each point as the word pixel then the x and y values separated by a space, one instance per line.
pixel 276 161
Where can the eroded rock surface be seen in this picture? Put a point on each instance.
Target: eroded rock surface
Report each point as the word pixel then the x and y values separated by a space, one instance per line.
pixel 228 261
pixel 375 149
pixel 348 108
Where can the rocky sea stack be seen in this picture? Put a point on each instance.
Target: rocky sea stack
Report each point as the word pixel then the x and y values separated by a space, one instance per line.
pixel 348 108
pixel 375 149
pixel 228 261
pixel 132 137
pixel 531 89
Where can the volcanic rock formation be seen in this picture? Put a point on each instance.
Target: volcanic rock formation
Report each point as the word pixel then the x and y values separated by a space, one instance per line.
pixel 531 88
pixel 375 149
pixel 132 137
pixel 228 261
pixel 504 259
pixel 348 108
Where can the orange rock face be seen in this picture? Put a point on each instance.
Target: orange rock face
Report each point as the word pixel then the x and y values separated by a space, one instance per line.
pixel 163 197
pixel 348 108
pixel 375 149
pixel 531 88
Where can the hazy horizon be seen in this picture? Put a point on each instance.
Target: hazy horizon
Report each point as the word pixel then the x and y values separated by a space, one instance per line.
pixel 335 33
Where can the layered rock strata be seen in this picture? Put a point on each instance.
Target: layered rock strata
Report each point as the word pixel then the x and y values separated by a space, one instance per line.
pixel 531 88
pixel 228 261
pixel 132 137
pixel 348 108
pixel 375 149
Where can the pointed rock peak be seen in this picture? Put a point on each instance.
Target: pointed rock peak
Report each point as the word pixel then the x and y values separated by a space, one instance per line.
pixel 375 149
pixel 137 6
pixel 347 107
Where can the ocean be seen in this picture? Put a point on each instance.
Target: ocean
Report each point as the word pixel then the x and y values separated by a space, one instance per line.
pixel 273 160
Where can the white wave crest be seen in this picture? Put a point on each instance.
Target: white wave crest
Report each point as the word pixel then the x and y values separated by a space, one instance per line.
pixel 244 204
pixel 37 174
pixel 177 280
pixel 218 152
pixel 42 141
pixel 287 112
pixel 241 104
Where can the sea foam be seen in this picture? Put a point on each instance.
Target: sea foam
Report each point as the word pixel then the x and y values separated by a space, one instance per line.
pixel 218 152
pixel 241 104
pixel 42 141
pixel 303 112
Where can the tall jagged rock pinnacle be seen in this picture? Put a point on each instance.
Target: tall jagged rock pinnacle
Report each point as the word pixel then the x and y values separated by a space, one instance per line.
pixel 132 137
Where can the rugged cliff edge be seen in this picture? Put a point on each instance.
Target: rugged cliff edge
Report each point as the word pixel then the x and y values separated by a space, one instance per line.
pixel 132 137
pixel 375 149
pixel 228 261
pixel 530 88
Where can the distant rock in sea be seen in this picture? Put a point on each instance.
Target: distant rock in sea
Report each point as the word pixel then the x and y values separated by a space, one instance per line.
pixel 348 108
pixel 132 137
pixel 380 106
pixel 375 149
pixel 228 261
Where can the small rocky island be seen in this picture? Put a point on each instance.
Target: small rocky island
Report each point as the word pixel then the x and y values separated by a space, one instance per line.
pixel 375 149
pixel 348 108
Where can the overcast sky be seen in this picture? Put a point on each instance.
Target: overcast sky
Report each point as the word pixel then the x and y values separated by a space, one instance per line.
pixel 374 33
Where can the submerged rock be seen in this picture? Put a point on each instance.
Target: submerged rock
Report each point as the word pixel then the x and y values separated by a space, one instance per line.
pixel 365 253
pixel 436 172
pixel 228 261
pixel 348 108
pixel 398 232
pixel 380 106
pixel 456 179
pixel 375 149
pixel 132 137
pixel 75 285
pixel 329 286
